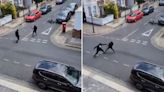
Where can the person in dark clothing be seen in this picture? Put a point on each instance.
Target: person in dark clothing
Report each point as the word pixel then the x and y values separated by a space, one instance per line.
pixel 17 35
pixel 110 46
pixel 34 31
pixel 98 49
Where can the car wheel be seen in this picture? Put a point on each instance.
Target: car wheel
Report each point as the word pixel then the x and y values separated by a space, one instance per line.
pixel 42 85
pixel 139 86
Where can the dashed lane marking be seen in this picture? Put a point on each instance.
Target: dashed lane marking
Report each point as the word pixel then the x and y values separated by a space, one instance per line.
pixel 132 40
pixel 126 65
pixel 27 35
pixel 106 58
pixel 38 40
pixel 138 41
pixel 115 61
pixel 6 59
pixel 124 39
pixel 16 62
pixel 25 39
pixel 27 65
pixel 32 39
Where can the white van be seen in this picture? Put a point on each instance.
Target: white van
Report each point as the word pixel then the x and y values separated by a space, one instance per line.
pixel 161 2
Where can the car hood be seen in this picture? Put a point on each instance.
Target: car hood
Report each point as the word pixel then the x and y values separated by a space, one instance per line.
pixel 145 10
pixel 130 17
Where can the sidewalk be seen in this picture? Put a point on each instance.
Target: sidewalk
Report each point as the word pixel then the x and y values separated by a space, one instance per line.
pixel 110 81
pixel 158 39
pixel 10 84
pixel 101 30
pixel 65 40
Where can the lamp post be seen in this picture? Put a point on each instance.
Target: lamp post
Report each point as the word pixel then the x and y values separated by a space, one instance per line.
pixel 93 30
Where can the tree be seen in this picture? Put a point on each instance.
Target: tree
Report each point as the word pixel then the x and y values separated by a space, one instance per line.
pixel 116 11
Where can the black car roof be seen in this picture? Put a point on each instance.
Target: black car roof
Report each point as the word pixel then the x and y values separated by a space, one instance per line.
pixel 51 66
pixel 151 69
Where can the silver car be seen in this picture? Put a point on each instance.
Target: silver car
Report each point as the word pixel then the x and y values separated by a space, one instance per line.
pixel 161 19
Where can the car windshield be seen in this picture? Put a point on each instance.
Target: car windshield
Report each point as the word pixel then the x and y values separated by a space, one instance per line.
pixel 62 14
pixel 72 75
pixel 43 7
pixel 132 14
pixel 31 14
pixel 70 6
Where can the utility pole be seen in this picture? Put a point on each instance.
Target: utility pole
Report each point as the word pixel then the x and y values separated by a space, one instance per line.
pixel 93 30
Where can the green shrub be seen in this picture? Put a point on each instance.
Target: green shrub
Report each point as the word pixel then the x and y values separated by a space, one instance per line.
pixel 111 8
pixel 8 8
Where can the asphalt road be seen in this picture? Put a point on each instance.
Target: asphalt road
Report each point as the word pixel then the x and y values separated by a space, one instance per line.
pixel 131 43
pixel 18 60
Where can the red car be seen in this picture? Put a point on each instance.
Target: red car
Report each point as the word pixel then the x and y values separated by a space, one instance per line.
pixel 35 14
pixel 134 16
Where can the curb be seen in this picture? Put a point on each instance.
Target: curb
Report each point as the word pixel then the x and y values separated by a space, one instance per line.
pixel 155 38
pixel 54 38
pixel 92 72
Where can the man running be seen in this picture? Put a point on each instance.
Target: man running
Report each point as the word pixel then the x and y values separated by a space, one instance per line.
pixel 110 46
pixel 98 49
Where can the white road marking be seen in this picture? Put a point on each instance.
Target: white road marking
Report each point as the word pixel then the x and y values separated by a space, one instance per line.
pixel 6 59
pixel 130 34
pixel 16 62
pixel 27 35
pixel 115 61
pixel 124 39
pixel 118 39
pixel 132 40
pixel 27 65
pixel 38 40
pixel 15 86
pixel 148 33
pixel 145 43
pixel 138 41
pixel 106 58
pixel 47 31
pixel 88 52
pixel 146 23
pixel 126 65
pixel 32 39
pixel 25 39
pixel 44 41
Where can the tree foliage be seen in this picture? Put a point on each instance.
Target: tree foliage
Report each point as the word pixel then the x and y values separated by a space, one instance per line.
pixel 111 8
pixel 8 8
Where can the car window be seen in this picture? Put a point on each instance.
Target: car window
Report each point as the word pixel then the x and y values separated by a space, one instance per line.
pixel 60 78
pixel 133 14
pixel 151 78
pixel 72 75
pixel 31 14
pixel 46 74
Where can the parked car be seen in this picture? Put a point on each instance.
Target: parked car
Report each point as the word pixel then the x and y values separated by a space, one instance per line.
pixel 33 15
pixel 63 16
pixel 72 7
pixel 49 74
pixel 148 76
pixel 161 2
pixel 60 1
pixel 45 8
pixel 161 19
pixel 147 10
pixel 134 16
